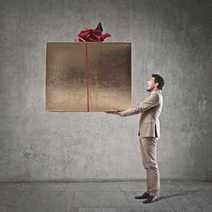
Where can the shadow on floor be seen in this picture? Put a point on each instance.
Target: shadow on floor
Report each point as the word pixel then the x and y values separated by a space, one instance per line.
pixel 179 194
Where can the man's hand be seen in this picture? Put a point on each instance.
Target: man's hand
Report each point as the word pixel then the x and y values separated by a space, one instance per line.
pixel 115 111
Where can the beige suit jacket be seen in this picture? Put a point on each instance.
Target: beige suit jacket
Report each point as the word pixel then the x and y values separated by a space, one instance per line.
pixel 150 109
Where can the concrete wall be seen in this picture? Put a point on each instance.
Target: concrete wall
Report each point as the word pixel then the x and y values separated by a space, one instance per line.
pixel 170 37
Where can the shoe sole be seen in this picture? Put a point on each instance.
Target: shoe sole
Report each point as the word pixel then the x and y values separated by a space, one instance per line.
pixel 155 200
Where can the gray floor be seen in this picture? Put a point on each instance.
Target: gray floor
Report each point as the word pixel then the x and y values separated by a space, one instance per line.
pixel 103 196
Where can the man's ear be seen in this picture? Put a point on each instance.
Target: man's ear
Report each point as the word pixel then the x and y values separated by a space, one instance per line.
pixel 157 84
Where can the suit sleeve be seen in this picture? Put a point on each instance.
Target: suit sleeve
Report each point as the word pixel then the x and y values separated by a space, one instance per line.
pixel 148 103
pixel 129 111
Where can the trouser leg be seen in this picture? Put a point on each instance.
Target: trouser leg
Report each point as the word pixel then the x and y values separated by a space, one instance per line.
pixel 148 146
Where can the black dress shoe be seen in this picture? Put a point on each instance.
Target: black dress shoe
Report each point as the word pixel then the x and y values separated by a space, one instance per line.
pixel 143 196
pixel 151 198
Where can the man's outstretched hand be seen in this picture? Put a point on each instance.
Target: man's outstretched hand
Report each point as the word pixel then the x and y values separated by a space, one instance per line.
pixel 115 111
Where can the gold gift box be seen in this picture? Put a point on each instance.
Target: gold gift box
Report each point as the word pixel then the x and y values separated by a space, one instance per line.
pixel 88 76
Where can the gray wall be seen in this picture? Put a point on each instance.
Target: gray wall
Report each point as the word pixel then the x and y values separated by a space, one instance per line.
pixel 170 37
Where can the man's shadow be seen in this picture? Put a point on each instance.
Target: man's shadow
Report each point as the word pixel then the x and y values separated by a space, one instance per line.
pixel 183 193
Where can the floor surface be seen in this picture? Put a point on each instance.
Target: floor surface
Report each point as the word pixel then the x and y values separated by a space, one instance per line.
pixel 193 196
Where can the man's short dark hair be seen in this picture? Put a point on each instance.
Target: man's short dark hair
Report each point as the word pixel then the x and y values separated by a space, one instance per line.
pixel 159 80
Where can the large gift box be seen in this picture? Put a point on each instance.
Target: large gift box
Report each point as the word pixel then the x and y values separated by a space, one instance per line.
pixel 88 76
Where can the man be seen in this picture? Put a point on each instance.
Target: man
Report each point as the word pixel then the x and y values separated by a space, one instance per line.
pixel 149 133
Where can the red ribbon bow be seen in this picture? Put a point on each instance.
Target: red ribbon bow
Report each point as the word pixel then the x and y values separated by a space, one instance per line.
pixel 92 35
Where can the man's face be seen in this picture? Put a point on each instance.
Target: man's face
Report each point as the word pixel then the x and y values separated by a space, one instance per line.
pixel 151 84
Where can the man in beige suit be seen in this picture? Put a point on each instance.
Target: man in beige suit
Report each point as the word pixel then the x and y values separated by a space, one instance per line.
pixel 149 133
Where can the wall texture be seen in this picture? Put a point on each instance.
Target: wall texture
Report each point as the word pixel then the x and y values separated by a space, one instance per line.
pixel 170 37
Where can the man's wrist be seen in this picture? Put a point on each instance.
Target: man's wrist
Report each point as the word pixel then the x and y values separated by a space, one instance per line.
pixel 121 114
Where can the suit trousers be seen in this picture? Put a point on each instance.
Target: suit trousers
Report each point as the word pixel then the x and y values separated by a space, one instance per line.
pixel 148 147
